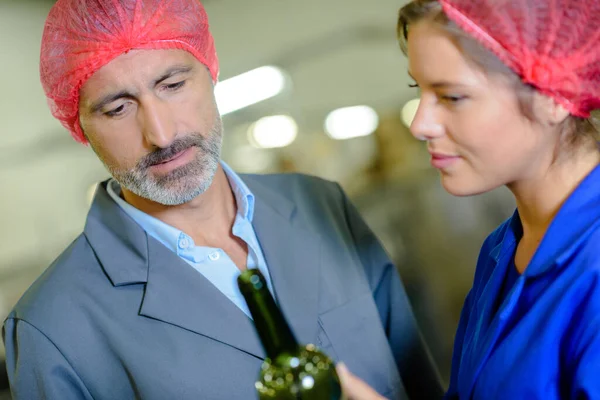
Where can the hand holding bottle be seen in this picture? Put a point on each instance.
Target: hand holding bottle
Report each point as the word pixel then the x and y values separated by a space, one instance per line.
pixel 354 388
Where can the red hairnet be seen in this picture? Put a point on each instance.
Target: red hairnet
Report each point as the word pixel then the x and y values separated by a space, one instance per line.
pixel 81 36
pixel 552 45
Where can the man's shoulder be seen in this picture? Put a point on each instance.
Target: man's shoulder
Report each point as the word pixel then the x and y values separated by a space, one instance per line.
pixel 289 179
pixel 294 185
pixel 318 201
pixel 54 291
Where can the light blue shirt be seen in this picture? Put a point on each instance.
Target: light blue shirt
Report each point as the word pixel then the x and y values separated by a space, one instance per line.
pixel 213 263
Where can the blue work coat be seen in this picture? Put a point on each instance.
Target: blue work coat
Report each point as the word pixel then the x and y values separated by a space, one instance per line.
pixel 540 337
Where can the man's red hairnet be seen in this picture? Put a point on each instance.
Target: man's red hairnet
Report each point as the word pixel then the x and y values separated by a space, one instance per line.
pixel 81 36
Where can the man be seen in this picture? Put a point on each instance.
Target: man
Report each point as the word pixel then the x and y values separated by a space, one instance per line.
pixel 143 304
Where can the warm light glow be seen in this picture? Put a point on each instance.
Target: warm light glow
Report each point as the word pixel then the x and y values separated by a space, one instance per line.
pixel 273 132
pixel 409 111
pixel 351 122
pixel 249 88
pixel 249 159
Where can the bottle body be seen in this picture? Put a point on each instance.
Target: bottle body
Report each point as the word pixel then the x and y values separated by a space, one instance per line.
pixel 308 374
pixel 290 371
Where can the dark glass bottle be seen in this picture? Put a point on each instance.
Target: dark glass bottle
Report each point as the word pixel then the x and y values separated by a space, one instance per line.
pixel 290 371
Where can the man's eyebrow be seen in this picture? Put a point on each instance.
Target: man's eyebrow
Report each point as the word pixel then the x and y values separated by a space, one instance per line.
pixel 175 70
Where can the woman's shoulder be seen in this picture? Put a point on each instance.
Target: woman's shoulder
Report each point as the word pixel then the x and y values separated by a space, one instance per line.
pixel 580 260
pixel 583 298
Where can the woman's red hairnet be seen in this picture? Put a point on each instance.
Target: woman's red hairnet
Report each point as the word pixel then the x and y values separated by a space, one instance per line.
pixel 553 45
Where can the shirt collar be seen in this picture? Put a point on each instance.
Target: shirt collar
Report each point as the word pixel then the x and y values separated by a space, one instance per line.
pixel 243 196
pixel 169 235
pixel 576 219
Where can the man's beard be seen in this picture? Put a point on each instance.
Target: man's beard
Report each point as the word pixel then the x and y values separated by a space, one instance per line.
pixel 182 184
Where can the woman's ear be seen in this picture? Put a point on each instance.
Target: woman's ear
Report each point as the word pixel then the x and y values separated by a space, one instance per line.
pixel 548 110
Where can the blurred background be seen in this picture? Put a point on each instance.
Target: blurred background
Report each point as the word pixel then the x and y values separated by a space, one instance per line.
pixel 318 87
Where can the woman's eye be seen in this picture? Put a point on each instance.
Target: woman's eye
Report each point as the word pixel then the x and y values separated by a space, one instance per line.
pixel 452 99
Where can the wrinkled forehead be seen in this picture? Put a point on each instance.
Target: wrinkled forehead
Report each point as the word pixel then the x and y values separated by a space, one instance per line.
pixel 140 68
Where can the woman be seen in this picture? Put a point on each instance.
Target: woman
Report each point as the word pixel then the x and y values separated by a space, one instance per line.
pixel 507 91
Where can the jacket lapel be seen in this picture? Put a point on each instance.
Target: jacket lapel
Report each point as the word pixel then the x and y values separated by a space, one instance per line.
pixel 175 293
pixel 179 295
pixel 293 256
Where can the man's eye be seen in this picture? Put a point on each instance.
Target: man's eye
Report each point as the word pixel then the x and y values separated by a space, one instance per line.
pixel 117 111
pixel 175 86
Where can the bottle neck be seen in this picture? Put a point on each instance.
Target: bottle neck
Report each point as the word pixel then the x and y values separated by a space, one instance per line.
pixel 274 332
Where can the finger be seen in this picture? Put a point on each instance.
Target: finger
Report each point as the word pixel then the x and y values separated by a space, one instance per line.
pixel 355 388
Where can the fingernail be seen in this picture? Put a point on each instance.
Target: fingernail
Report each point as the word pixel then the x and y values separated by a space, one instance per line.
pixel 342 369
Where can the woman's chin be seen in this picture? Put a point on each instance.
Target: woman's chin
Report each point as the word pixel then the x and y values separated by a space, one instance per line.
pixel 463 187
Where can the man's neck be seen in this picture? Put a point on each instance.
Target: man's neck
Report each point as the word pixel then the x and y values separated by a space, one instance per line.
pixel 207 219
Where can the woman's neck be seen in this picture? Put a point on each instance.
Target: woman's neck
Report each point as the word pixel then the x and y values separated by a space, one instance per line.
pixel 539 198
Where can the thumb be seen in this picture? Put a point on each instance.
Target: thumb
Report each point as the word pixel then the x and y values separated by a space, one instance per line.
pixel 355 388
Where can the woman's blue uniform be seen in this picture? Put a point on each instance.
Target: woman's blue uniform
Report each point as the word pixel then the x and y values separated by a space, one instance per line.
pixel 536 335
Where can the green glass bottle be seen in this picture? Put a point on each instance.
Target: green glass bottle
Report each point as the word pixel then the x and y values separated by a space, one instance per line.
pixel 290 371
